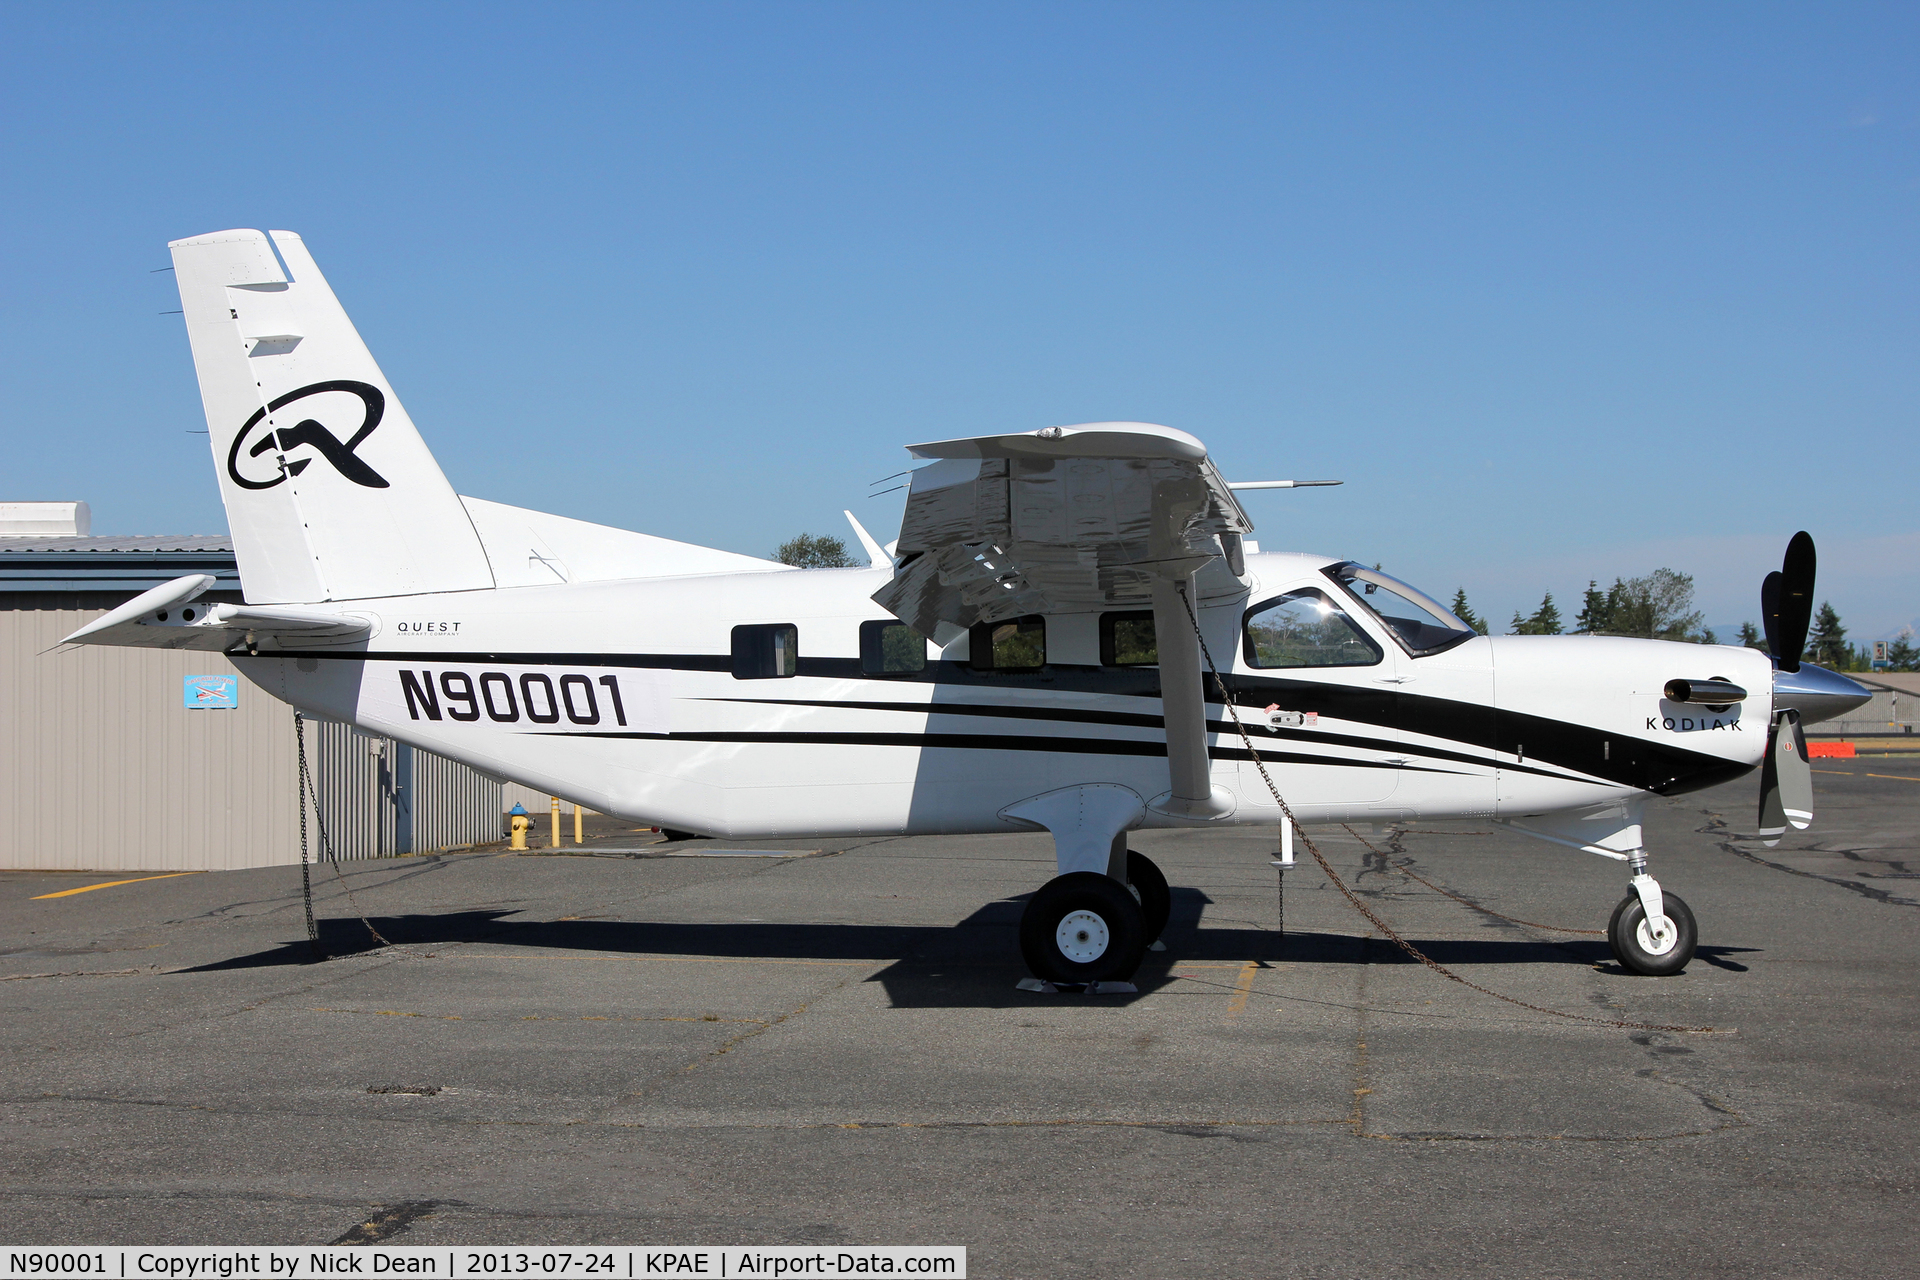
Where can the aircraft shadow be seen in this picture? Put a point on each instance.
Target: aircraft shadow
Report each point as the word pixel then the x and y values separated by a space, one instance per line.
pixel 972 964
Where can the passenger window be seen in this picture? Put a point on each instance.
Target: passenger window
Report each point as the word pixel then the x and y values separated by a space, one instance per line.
pixel 766 652
pixel 1305 629
pixel 1019 645
pixel 891 649
pixel 1126 640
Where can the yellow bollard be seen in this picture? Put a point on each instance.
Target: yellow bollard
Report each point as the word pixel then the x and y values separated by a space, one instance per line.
pixel 579 826
pixel 556 822
pixel 518 822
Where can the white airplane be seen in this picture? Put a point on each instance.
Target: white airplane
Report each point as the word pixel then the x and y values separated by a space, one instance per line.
pixel 1032 655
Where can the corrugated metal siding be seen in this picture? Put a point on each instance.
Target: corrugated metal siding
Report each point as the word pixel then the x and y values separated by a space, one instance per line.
pixel 519 793
pixel 103 769
pixel 380 798
pixel 353 775
pixel 454 805
pixel 1889 712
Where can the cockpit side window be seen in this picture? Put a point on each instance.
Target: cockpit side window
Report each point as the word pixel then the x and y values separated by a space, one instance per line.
pixel 1420 623
pixel 1304 628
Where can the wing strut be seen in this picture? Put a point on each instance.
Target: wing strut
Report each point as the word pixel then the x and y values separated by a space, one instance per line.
pixel 1183 704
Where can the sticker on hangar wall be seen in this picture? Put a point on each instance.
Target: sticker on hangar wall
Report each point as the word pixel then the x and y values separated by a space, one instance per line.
pixel 211 693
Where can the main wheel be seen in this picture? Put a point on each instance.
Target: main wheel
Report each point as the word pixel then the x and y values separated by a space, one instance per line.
pixel 1083 927
pixel 1156 900
pixel 1636 947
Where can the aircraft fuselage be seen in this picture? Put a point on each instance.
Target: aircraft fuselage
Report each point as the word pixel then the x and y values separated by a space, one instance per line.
pixel 624 696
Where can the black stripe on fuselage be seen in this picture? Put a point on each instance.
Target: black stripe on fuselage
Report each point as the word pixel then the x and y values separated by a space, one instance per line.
pixel 979 742
pixel 1576 748
pixel 1256 733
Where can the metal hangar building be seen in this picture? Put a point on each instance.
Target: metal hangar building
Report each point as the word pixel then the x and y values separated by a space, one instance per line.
pixel 143 759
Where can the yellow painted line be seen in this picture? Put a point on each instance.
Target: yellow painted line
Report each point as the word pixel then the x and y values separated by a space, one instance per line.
pixel 1895 776
pixel 111 884
pixel 1845 773
pixel 1242 988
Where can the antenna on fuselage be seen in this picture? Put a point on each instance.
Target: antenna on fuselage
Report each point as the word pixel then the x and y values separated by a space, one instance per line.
pixel 876 555
pixel 1281 484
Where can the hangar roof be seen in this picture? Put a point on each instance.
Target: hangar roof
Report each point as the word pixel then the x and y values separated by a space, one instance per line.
pixel 105 563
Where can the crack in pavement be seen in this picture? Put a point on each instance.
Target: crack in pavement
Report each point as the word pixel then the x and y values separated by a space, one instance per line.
pixel 1717 826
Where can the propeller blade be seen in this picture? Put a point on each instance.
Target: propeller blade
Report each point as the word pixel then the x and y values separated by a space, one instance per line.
pixel 1795 600
pixel 1773 814
pixel 1770 610
pixel 1786 781
pixel 1795 771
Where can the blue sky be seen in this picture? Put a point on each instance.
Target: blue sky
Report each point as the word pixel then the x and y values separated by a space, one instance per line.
pixel 1560 291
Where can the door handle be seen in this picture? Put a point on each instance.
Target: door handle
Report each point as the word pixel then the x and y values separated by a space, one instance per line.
pixel 1393 679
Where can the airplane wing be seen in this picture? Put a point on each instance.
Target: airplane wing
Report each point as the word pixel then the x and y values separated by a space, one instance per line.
pixel 167 618
pixel 1062 520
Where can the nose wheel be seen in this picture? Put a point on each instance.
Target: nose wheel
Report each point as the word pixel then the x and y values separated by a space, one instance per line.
pixel 1083 927
pixel 1655 947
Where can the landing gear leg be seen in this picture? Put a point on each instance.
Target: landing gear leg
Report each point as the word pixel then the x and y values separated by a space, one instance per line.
pixel 1086 925
pixel 1652 931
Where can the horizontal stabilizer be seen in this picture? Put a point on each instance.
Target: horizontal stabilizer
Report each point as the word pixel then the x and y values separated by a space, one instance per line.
pixel 167 618
pixel 535 549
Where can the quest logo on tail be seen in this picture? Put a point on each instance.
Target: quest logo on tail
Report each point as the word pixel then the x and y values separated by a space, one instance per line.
pixel 340 455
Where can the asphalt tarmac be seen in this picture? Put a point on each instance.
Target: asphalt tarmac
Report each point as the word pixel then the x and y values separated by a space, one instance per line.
pixel 829 1048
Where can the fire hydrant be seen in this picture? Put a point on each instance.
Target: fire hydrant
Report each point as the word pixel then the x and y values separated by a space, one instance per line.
pixel 518 823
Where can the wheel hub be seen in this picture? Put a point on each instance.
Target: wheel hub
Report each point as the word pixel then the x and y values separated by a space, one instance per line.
pixel 1081 936
pixel 1657 944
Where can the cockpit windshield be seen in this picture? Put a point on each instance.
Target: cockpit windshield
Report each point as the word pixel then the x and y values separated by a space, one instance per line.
pixel 1416 619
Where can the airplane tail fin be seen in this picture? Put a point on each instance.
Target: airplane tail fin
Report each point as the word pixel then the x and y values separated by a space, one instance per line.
pixel 331 493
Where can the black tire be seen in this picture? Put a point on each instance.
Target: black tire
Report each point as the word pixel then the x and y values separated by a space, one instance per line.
pixel 1083 927
pixel 670 834
pixel 1156 900
pixel 1623 934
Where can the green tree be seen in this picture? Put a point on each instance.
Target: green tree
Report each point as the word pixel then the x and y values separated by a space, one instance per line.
pixel 1544 622
pixel 1596 615
pixel 1902 655
pixel 1656 607
pixel 1827 642
pixel 1463 611
pixel 1750 636
pixel 815 551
